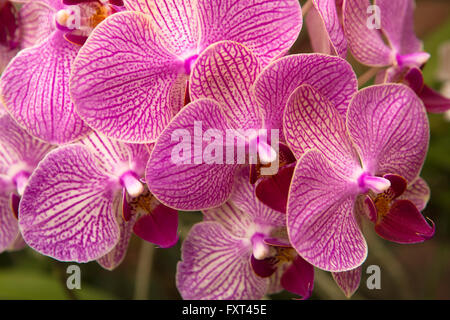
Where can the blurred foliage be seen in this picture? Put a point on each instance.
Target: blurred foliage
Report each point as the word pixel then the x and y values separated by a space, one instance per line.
pixel 408 271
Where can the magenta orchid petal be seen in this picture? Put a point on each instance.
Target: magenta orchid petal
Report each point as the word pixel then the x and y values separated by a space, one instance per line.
pixel 188 182
pixel 215 265
pixel 6 54
pixel 225 72
pixel 273 191
pixel 35 90
pixel 418 192
pixel 366 44
pixel 159 227
pixel 19 150
pixel 333 77
pixel 267 27
pixel 394 139
pixel 299 278
pixel 397 23
pixel 114 258
pixel 404 224
pixel 312 122
pixel 125 96
pixel 325 30
pixel 176 19
pixel 37 21
pixel 230 217
pixel 348 281
pixel 321 224
pixel 433 100
pixel 67 209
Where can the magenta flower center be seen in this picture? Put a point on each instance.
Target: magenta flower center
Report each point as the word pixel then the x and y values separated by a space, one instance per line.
pixel 413 59
pixel 376 184
pixel 130 181
pixel 260 249
pixel 20 180
pixel 189 63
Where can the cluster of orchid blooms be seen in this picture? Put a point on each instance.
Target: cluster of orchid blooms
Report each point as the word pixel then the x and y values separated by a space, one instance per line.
pixel 93 92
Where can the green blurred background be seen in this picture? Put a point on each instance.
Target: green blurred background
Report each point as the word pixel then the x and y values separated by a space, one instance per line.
pixel 419 271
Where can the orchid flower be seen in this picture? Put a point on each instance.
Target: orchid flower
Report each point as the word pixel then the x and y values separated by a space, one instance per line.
pixel 371 161
pixel 402 54
pixel 240 251
pixel 35 86
pixel 229 96
pixel 20 153
pixel 130 78
pixel 83 200
pixel 325 28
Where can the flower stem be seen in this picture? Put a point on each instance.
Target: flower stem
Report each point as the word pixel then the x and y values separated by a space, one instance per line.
pixel 305 8
pixel 144 271
pixel 366 76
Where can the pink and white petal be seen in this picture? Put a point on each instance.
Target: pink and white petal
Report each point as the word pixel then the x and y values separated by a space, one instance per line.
pixel 418 192
pixel 397 23
pixel 18 147
pixel 18 243
pixel 35 90
pixel 320 218
pixel 225 72
pixel 37 22
pixel 188 182
pixel 237 222
pixel 114 258
pixel 333 77
pixel 328 13
pixel 267 28
pixel 159 227
pixel 299 278
pixel 216 266
pixel 348 281
pixel 177 21
pixel 244 197
pixel 9 228
pixel 366 44
pixel 318 35
pixel 116 156
pixel 312 122
pixel 389 126
pixel 67 210
pixel 275 280
pixel 122 78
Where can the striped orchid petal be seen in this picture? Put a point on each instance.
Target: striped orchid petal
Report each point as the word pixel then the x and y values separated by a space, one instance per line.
pixel 67 210
pixel 177 21
pixel 321 223
pixel 37 21
pixel 215 265
pixel 35 90
pixel 312 122
pixel 366 43
pixel 267 28
pixel 225 72
pixel 394 139
pixel 325 30
pixel 179 173
pixel 333 77
pixel 121 86
pixel 112 259
pixel 348 281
